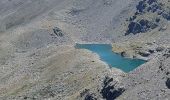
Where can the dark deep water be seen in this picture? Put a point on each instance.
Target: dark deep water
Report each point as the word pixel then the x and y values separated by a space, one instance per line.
pixel 111 58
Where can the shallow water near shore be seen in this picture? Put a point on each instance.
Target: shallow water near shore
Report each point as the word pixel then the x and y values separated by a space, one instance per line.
pixel 112 59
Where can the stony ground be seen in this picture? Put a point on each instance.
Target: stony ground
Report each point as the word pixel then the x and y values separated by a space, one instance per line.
pixel 38 60
pixel 37 55
pixel 149 81
pixel 51 74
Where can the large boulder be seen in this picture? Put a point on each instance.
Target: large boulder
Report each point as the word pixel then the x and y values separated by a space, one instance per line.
pixel 168 83
pixel 123 54
pixel 57 31
pixel 141 6
pixel 140 26
pixel 159 49
pixel 90 97
pixel 144 53
pixel 134 28
pixel 109 91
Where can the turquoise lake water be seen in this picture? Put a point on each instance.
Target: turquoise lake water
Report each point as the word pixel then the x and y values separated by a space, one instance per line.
pixel 111 58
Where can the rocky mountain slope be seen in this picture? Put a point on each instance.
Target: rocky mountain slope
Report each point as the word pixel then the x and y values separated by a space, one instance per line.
pixel 147 36
pixel 38 60
pixel 37 55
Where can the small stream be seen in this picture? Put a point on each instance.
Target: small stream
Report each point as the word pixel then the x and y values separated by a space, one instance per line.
pixel 112 59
